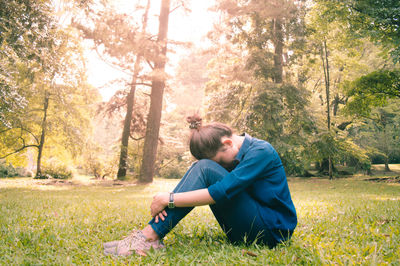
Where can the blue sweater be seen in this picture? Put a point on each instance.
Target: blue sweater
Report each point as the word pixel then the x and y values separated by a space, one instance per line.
pixel 260 172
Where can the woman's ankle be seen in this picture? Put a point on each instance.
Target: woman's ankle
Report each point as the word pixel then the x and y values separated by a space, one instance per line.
pixel 149 233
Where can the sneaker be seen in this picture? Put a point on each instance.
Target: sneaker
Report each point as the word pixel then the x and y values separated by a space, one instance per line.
pixel 111 244
pixel 135 242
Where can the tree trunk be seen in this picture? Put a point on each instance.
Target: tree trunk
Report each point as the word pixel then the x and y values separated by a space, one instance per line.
pixel 43 134
pixel 278 53
pixel 387 169
pixel 130 102
pixel 121 175
pixel 323 167
pixel 156 98
pixel 385 143
pixel 336 101
pixel 325 64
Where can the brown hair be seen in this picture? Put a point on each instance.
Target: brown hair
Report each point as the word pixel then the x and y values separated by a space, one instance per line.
pixel 205 141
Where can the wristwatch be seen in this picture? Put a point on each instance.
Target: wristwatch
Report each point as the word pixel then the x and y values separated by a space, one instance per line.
pixel 171 203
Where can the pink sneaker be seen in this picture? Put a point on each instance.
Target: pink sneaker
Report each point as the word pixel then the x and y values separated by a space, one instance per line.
pixel 135 242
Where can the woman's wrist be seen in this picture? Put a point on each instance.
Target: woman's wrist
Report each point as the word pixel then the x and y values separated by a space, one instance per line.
pixel 165 199
pixel 192 198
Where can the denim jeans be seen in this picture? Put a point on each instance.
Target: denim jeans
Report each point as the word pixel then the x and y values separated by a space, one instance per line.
pixel 238 217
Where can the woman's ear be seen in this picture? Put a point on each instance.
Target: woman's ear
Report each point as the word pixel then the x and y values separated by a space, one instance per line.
pixel 226 141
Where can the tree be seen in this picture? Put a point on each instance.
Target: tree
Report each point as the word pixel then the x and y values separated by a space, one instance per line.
pixel 156 97
pixel 378 20
pixel 254 85
pixel 379 132
pixel 124 44
pixel 130 103
pixel 373 89
pixel 341 55
pixel 57 99
pixel 372 100
pixel 25 31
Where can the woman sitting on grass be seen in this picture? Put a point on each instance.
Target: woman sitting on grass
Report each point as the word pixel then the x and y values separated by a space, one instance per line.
pixel 240 177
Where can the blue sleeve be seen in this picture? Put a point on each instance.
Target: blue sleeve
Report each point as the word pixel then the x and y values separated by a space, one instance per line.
pixel 253 166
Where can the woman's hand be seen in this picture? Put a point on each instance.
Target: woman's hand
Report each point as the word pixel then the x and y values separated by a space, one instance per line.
pixel 160 201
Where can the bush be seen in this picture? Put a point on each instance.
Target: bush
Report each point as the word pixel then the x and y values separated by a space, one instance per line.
pixel 294 165
pixel 171 173
pixel 7 170
pixel 56 171
pixel 174 169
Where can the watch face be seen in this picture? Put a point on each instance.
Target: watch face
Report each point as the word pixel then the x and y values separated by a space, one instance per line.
pixel 171 203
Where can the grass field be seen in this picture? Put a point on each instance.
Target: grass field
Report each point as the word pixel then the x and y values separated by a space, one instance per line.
pixel 344 221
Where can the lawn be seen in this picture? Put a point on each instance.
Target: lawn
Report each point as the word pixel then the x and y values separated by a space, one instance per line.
pixel 344 221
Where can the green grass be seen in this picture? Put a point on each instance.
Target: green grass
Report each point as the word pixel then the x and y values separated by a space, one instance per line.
pixel 344 221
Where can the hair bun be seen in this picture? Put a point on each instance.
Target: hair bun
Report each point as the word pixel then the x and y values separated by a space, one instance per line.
pixel 194 121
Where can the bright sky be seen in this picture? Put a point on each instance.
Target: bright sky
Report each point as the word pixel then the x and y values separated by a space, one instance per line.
pixel 190 27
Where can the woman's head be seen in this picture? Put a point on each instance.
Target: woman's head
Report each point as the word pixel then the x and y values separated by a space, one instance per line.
pixel 205 141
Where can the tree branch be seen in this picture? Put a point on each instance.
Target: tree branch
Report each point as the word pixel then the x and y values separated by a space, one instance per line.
pixel 167 163
pixel 136 139
pixel 140 83
pixel 22 129
pixel 18 150
pixel 4 131
pixel 110 64
pixel 150 64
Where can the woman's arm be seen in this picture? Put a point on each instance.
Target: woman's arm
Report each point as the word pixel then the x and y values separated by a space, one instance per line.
pixel 183 199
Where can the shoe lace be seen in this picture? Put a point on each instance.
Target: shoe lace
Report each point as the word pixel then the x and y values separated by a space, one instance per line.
pixel 135 241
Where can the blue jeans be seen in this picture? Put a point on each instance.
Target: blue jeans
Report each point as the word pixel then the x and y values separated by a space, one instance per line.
pixel 239 217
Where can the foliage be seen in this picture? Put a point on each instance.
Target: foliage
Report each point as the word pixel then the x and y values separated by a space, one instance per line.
pixel 45 62
pixel 372 90
pixel 254 85
pixel 172 171
pixel 341 148
pixel 379 132
pixel 174 166
pixel 100 168
pixel 378 20
pixel 56 171
pixel 26 34
pixel 125 44
pixel 349 221
pixel 7 170
pixel 275 113
pixel 99 160
pixel 173 157
pixel 354 155
pixel 348 57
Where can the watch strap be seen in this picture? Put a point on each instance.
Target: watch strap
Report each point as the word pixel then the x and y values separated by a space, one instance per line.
pixel 171 203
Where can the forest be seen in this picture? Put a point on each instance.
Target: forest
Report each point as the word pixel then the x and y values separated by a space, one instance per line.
pixel 319 80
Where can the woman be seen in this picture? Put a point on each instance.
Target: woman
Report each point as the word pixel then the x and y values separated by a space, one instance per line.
pixel 240 177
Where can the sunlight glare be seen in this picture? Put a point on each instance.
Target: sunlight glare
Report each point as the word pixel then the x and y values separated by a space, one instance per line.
pixel 183 27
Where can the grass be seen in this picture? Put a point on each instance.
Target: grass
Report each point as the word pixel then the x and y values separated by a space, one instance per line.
pixel 344 221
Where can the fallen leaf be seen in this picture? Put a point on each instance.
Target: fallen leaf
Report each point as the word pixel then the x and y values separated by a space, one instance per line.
pixel 247 252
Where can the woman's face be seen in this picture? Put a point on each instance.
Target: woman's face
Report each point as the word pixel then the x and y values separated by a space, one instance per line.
pixel 226 155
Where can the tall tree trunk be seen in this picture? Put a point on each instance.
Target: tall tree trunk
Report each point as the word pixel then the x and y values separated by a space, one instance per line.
pixel 121 175
pixel 156 98
pixel 385 143
pixel 130 102
pixel 325 64
pixel 43 134
pixel 278 53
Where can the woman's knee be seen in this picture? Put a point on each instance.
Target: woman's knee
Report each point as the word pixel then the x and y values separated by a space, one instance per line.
pixel 211 171
pixel 205 163
pixel 209 166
